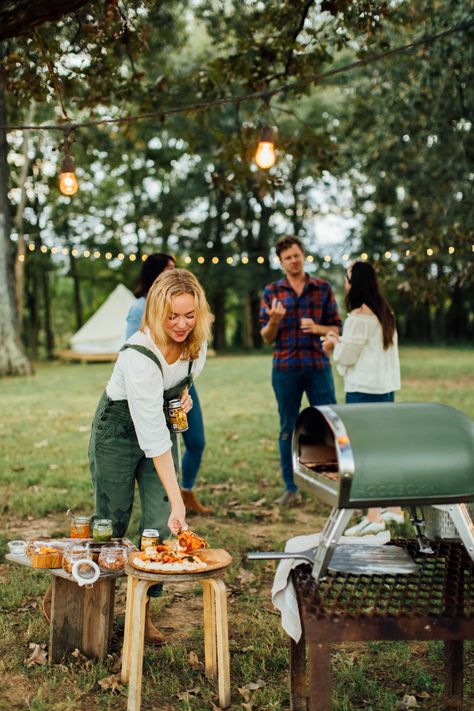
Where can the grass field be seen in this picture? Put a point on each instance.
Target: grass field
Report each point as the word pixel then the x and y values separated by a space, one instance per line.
pixel 44 433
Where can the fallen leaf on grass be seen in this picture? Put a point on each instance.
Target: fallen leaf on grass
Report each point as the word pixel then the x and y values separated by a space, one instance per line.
pixel 258 503
pixel 111 683
pixel 17 468
pixel 41 443
pixel 53 467
pixel 246 577
pixel 83 428
pixel 193 661
pixel 186 695
pixel 254 685
pixel 408 702
pixel 38 656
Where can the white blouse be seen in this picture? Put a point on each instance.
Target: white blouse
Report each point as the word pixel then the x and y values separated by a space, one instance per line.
pixel 361 359
pixel 138 379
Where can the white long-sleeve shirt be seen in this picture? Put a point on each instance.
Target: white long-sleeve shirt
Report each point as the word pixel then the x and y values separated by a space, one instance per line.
pixel 138 379
pixel 361 359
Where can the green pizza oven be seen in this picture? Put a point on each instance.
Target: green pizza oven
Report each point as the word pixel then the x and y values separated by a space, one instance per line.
pixel 382 454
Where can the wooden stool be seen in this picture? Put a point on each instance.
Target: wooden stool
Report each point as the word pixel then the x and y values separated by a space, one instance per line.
pixel 216 641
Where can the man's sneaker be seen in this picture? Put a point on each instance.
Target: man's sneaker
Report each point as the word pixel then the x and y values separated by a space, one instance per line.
pixel 392 516
pixel 365 528
pixel 289 498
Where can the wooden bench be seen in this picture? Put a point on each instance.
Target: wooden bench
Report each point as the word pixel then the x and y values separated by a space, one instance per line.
pixel 81 617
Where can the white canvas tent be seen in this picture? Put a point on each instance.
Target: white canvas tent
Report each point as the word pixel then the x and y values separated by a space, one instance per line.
pixel 104 332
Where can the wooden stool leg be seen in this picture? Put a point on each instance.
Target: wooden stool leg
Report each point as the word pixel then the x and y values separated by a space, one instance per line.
pixel 210 648
pixel 127 633
pixel 454 670
pixel 98 602
pixel 137 641
pixel 222 639
pixel 320 676
pixel 298 674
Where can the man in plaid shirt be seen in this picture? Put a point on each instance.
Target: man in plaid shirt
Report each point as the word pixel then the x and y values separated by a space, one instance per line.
pixel 295 312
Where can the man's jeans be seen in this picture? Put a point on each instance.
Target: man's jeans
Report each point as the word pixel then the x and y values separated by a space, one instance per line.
pixel 289 387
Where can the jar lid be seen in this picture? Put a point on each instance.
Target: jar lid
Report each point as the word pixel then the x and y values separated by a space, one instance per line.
pixel 103 522
pixel 85 572
pixel 150 532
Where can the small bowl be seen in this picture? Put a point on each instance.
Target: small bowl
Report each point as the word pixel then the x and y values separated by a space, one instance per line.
pixel 17 547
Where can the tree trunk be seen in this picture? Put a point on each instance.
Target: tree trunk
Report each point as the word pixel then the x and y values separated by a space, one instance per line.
pixel 13 360
pixel 49 335
pixel 18 222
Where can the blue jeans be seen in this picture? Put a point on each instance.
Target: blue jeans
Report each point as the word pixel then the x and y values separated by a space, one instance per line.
pixel 195 443
pixel 355 397
pixel 289 387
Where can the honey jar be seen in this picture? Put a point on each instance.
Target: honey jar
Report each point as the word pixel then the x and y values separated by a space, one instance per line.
pixel 80 527
pixel 177 419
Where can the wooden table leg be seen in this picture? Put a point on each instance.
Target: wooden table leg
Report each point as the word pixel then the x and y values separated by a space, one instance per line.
pixel 137 641
pixel 65 630
pixel 298 674
pixel 97 615
pixel 319 655
pixel 127 633
pixel 222 640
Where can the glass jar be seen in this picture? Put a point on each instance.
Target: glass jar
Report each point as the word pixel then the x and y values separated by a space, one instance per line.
pixel 112 558
pixel 80 527
pixel 102 530
pixel 75 552
pixel 150 537
pixel 178 422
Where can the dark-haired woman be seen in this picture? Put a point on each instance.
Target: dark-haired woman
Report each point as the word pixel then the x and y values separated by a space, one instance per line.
pixel 194 439
pixel 366 355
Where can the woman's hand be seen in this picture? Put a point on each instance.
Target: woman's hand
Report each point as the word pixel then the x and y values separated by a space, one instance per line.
pixel 330 340
pixel 177 518
pixel 186 401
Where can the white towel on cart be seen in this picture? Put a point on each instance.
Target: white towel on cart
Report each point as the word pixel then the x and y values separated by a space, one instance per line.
pixel 283 591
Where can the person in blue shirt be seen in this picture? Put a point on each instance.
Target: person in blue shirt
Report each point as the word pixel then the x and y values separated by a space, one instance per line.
pixel 194 439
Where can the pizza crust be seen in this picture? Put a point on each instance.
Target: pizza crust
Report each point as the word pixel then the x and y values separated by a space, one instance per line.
pixel 188 564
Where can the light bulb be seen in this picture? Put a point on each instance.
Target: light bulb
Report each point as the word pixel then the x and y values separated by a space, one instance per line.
pixel 68 184
pixel 265 156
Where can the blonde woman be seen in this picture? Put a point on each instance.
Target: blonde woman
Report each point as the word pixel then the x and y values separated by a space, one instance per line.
pixel 130 440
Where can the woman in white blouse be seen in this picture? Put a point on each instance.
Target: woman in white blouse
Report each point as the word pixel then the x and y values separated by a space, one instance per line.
pixel 366 355
pixel 130 440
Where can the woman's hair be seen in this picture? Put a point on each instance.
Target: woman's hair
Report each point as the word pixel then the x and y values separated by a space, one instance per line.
pixel 364 289
pixel 152 267
pixel 158 307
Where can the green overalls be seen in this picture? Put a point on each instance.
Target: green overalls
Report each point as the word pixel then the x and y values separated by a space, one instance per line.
pixel 116 462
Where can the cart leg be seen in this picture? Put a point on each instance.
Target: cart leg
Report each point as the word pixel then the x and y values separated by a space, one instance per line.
pixel 320 676
pixel 298 674
pixel 454 666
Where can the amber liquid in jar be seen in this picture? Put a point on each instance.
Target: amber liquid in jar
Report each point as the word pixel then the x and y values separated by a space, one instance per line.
pixel 80 527
pixel 150 537
pixel 177 417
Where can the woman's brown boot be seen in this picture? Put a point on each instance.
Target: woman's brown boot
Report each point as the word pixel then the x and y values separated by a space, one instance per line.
pixel 193 505
pixel 46 603
pixel 152 634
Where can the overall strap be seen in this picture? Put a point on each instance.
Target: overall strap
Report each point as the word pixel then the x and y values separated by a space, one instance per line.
pixel 144 351
pixel 176 390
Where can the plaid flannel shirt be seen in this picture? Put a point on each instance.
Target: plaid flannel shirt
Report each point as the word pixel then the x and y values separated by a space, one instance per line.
pixel 295 350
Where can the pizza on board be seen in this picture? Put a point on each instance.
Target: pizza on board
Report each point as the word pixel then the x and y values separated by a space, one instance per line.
pixel 162 559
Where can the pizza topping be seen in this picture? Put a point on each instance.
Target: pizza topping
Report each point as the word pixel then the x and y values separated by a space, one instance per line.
pixel 189 541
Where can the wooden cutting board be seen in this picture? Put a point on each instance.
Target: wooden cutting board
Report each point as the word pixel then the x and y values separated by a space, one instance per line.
pixel 216 558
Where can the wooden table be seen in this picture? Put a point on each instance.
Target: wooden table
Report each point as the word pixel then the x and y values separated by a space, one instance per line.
pixel 81 617
pixel 216 641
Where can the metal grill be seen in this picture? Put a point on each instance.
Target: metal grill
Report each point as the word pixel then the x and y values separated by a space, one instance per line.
pixel 442 587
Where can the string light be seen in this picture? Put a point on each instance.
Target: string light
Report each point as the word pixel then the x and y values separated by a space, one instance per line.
pixel 451 250
pixel 245 260
pixel 108 255
pixel 68 184
pixel 132 257
pixel 429 252
pixel 388 255
pixel 201 260
pixel 215 260
pixel 265 156
pixel 87 253
pixel 364 256
pixel 310 258
pixel 144 257
pixel 187 260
